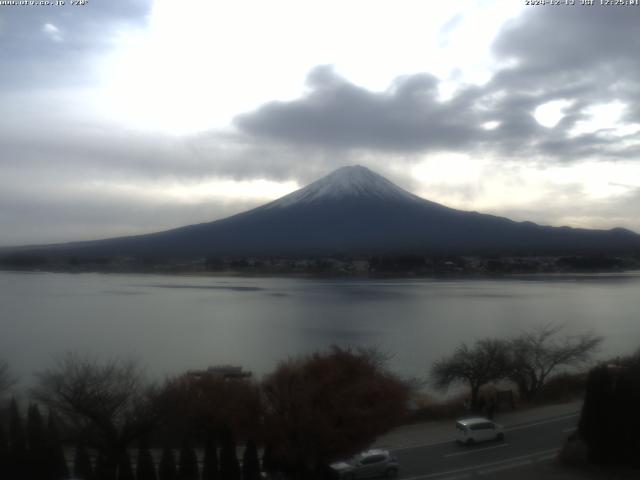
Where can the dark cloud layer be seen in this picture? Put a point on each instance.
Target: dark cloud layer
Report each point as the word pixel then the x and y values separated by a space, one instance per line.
pixel 339 114
pixel 568 43
pixel 585 55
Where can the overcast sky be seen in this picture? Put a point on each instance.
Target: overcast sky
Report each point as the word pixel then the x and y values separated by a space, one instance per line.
pixel 129 116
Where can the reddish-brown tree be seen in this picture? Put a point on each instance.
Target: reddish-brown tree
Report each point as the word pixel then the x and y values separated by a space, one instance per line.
pixel 329 405
pixel 200 403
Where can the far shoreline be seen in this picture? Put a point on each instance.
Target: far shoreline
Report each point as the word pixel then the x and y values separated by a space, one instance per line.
pixel 177 270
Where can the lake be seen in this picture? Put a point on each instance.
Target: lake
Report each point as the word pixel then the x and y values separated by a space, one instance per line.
pixel 175 323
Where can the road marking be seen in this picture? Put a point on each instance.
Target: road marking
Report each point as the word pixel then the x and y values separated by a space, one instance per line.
pixel 457 454
pixel 507 429
pixel 521 463
pixel 529 425
pixel 548 456
pixel 422 445
pixel 571 429
pixel 484 465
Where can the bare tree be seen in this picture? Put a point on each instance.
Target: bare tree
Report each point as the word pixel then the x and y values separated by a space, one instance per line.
pixel 107 402
pixel 485 361
pixel 6 379
pixel 537 354
pixel 327 406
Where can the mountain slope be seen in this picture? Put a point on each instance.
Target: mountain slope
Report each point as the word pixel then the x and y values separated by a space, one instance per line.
pixel 356 211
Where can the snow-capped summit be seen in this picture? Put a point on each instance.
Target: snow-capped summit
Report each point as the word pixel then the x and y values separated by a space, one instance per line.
pixel 345 182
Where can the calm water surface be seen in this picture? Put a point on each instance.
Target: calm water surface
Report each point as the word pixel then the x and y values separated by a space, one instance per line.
pixel 174 323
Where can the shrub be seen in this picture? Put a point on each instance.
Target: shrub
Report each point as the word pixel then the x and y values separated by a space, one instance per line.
pixel 563 387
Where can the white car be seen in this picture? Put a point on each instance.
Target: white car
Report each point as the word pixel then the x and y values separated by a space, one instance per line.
pixel 477 429
pixel 372 463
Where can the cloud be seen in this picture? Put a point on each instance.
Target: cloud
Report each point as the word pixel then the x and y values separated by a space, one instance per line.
pixel 448 27
pixel 55 142
pixel 67 209
pixel 578 210
pixel 568 43
pixel 337 114
pixel 27 60
pixel 587 56
pixel 103 183
pixel 52 32
pixel 409 118
pixel 548 57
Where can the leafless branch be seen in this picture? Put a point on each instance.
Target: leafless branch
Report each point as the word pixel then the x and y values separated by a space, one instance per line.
pixel 6 379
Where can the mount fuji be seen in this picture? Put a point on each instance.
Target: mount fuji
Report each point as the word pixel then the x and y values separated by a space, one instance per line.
pixel 355 211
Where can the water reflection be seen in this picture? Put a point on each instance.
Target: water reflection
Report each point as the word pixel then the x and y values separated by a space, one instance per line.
pixel 177 323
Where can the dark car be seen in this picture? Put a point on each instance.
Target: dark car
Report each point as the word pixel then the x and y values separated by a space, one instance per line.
pixel 369 464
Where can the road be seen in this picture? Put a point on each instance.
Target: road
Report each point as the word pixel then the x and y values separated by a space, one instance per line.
pixel 524 445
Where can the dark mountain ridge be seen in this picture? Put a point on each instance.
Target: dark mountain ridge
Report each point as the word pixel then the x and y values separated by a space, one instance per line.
pixel 354 211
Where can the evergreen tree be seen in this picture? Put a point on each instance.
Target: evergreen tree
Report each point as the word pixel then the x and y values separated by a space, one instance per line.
pixel 106 466
pixel 125 472
pixel 167 470
pixel 103 470
pixel 16 431
pixel 268 460
pixel 4 455
pixel 82 464
pixel 610 420
pixel 145 470
pixel 210 468
pixel 17 442
pixel 250 462
pixel 229 466
pixel 56 461
pixel 188 464
pixel 593 425
pixel 35 429
pixel 37 442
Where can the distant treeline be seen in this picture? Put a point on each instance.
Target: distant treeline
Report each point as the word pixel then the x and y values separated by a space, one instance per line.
pixel 335 265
